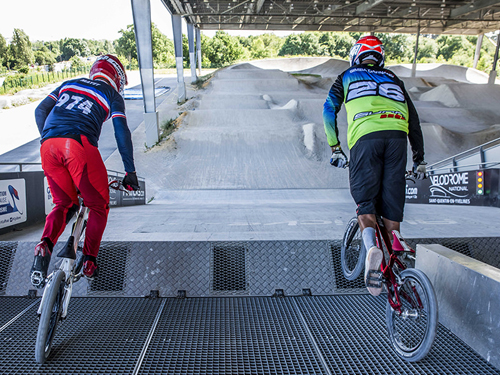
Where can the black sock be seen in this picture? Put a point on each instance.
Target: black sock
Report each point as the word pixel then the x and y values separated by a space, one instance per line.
pixel 89 257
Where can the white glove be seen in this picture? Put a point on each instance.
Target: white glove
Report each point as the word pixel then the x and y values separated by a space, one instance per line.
pixel 419 170
pixel 338 159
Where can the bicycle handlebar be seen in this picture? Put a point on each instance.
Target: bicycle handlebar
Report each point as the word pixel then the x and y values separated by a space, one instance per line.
pixel 413 176
pixel 117 185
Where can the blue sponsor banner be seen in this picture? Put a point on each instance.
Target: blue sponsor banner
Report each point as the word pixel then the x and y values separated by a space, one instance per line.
pixel 12 202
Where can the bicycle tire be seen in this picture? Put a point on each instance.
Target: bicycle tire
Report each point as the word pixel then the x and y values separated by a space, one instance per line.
pixel 51 314
pixel 352 251
pixel 412 335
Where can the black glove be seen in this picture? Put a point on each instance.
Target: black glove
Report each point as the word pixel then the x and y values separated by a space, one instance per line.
pixel 419 170
pixel 130 181
pixel 338 159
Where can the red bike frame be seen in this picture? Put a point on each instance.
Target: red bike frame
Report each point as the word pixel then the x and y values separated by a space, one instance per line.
pixel 388 276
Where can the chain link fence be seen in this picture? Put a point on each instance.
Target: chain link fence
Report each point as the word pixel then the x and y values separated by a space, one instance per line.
pixel 18 82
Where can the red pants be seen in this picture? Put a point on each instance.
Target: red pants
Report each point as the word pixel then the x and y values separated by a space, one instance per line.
pixel 67 165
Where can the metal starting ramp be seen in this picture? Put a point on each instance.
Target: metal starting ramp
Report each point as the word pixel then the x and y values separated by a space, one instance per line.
pixel 262 307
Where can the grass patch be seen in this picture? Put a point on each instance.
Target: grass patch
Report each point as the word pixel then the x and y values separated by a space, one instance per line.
pixel 167 128
pixel 202 81
pixel 306 75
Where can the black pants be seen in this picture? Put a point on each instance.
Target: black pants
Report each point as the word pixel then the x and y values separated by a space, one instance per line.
pixel 377 174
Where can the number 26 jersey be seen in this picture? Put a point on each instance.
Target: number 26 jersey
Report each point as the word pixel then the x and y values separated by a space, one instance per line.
pixel 375 100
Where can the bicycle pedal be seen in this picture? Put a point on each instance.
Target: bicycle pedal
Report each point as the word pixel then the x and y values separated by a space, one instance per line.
pixel 374 279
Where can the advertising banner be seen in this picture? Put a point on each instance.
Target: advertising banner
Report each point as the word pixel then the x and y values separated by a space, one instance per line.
pixel 116 198
pixel 12 202
pixel 49 204
pixel 470 188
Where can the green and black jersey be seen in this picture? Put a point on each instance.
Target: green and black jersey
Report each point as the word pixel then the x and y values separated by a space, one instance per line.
pixel 375 100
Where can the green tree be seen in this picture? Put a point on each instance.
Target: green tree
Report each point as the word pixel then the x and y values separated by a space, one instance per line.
pixel 74 47
pixel 337 44
pixel 292 46
pixel 125 45
pixel 223 49
pixel 163 48
pixel 20 50
pixel 4 52
pixel 427 48
pixel 76 62
pixel 449 45
pixel 258 49
pixel 302 44
pixel 44 57
pixel 185 51
pixel 397 47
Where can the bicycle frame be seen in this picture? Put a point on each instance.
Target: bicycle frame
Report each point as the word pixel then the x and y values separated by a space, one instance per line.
pixel 67 263
pixel 388 276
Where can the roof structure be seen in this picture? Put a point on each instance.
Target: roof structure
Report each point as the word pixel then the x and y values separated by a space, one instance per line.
pixel 387 16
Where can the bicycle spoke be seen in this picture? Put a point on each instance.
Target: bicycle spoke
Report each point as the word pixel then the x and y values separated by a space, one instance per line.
pixel 412 327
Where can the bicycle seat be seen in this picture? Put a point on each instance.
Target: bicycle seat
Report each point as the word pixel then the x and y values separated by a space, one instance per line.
pixel 399 243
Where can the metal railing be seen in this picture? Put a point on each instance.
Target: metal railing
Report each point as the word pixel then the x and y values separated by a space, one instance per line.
pixel 20 164
pixel 487 156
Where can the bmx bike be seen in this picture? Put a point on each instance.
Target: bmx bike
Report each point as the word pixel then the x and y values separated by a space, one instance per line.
pixel 59 286
pixel 411 310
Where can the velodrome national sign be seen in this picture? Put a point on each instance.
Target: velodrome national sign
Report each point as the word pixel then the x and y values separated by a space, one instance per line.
pixel 470 188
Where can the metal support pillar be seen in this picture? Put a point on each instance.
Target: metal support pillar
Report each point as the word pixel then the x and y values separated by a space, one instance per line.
pixel 181 86
pixel 198 50
pixel 477 55
pixel 493 73
pixel 414 66
pixel 141 10
pixel 192 58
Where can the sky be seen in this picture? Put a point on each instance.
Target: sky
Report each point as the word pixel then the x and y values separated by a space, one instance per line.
pixel 89 19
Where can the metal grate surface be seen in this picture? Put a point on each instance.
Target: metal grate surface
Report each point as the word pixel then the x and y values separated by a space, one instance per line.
pixel 484 249
pixel 100 336
pixel 239 335
pixel 229 269
pixel 256 268
pixel 342 285
pixel 7 252
pixel 352 336
pixel 291 266
pixel 236 335
pixel 112 259
pixel 12 306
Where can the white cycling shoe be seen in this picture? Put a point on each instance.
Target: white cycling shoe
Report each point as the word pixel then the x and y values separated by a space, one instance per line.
pixel 373 275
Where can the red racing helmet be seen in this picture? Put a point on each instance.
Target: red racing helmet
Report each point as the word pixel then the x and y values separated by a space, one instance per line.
pixel 367 47
pixel 108 67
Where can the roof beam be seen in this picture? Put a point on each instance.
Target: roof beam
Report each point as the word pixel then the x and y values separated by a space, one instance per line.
pixel 367 5
pixel 260 3
pixel 472 7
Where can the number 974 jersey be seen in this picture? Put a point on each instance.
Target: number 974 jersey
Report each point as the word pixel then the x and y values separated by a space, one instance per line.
pixel 81 107
pixel 375 100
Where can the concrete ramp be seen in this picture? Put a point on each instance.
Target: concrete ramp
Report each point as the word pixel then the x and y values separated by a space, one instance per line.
pixel 254 85
pixel 466 96
pixel 248 149
pixel 290 64
pixel 216 103
pixel 251 72
pixel 442 71
pixel 441 143
pixel 246 132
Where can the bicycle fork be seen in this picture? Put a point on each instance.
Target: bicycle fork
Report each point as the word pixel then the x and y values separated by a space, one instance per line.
pixel 66 266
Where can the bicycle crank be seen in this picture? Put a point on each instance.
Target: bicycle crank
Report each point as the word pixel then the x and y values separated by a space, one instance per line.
pixel 374 279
